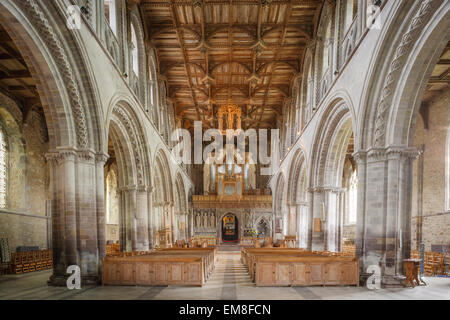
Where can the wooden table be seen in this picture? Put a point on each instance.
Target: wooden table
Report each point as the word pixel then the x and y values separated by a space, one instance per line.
pixel 412 267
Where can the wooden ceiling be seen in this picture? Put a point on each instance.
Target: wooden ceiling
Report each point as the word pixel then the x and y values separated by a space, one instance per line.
pixel 244 52
pixel 440 77
pixel 15 78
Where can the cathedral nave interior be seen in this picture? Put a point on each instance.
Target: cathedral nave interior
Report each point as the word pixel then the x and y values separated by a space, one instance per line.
pixel 332 176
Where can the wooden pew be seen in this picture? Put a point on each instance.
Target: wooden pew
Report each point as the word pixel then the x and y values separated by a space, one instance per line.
pixel 154 270
pixel 209 256
pixel 277 270
pixel 249 256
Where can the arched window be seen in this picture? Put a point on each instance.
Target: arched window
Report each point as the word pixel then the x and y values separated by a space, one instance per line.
pixel 3 169
pixel 447 173
pixel 134 51
pixel 352 198
pixel 111 15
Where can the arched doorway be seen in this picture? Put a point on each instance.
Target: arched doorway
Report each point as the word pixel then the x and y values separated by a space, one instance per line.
pixel 230 228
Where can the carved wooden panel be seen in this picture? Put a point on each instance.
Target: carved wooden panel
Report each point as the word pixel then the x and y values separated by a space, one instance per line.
pixel 283 274
pixel 193 273
pixel 160 273
pixel 127 274
pixel 300 274
pixel 175 273
pixel 266 274
pixel 144 274
pixel 316 273
pixel 332 273
pixel 349 273
pixel 111 273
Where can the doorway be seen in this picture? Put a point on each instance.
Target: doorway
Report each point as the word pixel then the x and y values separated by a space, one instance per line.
pixel 230 231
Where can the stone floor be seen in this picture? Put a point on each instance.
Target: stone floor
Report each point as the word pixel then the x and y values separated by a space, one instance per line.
pixel 229 281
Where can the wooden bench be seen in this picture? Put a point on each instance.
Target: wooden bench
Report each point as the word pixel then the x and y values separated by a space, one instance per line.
pixel 153 270
pixel 209 256
pixel 277 270
pixel 249 256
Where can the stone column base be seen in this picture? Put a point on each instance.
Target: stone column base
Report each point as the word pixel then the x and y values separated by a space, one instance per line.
pixel 387 281
pixel 61 280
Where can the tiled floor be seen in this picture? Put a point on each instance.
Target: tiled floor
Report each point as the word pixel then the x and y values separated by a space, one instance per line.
pixel 230 281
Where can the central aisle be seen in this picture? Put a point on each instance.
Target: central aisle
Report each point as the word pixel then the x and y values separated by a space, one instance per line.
pixel 230 272
pixel 230 280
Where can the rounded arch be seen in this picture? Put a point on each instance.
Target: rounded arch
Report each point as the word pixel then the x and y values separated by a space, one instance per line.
pixel 162 175
pixel 127 136
pixel 181 194
pixel 71 118
pixel 335 129
pixel 297 185
pixel 390 79
pixel 407 99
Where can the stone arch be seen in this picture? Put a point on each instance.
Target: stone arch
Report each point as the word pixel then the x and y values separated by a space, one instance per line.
pixel 181 208
pixel 280 209
pixel 396 87
pixel 162 168
pixel 337 125
pixel 406 54
pixel 331 145
pixel 412 83
pixel 132 155
pixel 66 99
pixel 125 125
pixel 56 59
pixel 298 165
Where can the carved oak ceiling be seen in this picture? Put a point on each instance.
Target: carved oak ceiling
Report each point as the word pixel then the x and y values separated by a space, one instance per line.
pixel 247 52
pixel 15 78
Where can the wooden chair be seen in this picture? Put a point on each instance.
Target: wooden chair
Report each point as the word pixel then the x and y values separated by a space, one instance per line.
pixel 49 259
pixel 428 263
pixel 17 266
pixel 415 254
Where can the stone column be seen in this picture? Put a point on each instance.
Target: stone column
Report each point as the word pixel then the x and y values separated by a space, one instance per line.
pixel 127 214
pixel 318 201
pixel 64 226
pixel 78 213
pixel 150 218
pixel 173 222
pixel 302 224
pixel 333 223
pixel 100 160
pixel 383 233
pixel 142 239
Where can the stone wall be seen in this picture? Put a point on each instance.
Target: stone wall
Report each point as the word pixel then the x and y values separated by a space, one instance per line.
pixel 428 206
pixel 24 220
pixel 349 232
